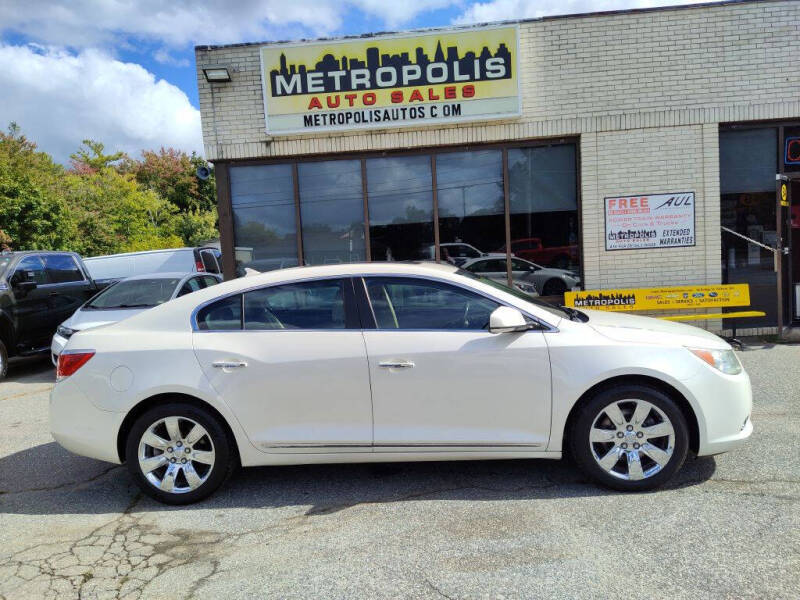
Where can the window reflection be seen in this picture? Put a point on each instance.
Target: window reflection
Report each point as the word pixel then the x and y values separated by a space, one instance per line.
pixel 748 163
pixel 332 211
pixel 544 205
pixel 400 196
pixel 469 191
pixel 265 231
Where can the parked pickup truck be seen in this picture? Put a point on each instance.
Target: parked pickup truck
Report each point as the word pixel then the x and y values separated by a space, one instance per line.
pixel 38 290
pixel 532 249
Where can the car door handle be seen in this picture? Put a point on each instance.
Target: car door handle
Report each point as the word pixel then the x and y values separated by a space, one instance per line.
pixel 396 364
pixel 228 364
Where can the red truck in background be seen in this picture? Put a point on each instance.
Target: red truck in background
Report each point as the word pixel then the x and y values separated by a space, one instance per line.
pixel 532 249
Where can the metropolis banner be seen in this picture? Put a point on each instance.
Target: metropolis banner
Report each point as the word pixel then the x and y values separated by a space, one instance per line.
pixel 391 81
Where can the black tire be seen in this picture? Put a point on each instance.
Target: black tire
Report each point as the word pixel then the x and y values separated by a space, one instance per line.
pixel 583 451
pixel 554 287
pixel 225 456
pixel 3 360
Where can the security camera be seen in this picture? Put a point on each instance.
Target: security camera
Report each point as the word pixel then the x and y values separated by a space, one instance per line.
pixel 203 173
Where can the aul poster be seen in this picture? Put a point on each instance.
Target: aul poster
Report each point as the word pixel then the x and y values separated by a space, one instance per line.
pixel 650 221
pixel 449 76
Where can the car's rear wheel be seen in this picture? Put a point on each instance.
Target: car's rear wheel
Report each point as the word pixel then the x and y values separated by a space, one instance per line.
pixel 630 438
pixel 179 453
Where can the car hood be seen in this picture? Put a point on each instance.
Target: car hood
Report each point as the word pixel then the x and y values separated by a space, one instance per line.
pixel 635 329
pixel 87 319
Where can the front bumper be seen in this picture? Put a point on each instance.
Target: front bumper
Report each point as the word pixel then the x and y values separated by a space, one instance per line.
pixel 81 427
pixel 725 403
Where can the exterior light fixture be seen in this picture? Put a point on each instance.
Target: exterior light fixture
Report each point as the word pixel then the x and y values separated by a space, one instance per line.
pixel 216 74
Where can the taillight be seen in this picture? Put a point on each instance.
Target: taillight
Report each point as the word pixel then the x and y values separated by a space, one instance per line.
pixel 199 266
pixel 69 362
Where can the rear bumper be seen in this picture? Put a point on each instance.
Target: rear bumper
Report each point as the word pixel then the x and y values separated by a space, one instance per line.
pixel 56 347
pixel 81 427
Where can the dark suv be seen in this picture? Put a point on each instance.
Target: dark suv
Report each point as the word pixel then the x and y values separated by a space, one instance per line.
pixel 38 290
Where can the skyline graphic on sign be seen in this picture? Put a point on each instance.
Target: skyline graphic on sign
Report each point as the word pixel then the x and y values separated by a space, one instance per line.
pixel 467 66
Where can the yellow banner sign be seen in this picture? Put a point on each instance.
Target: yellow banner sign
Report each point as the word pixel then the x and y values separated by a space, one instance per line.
pixel 663 298
pixel 390 81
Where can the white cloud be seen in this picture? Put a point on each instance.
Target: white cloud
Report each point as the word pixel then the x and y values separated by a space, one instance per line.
pixel 59 98
pixel 504 10
pixel 86 23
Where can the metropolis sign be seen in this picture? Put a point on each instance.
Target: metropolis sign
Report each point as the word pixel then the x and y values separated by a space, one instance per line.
pixel 389 81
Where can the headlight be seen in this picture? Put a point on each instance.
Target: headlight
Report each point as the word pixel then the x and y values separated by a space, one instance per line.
pixel 65 332
pixel 722 360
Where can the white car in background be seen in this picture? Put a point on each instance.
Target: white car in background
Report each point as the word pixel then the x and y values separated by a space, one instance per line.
pixel 391 362
pixel 127 298
pixel 527 276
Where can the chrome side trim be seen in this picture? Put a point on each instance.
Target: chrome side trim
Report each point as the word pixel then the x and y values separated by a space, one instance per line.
pixel 422 445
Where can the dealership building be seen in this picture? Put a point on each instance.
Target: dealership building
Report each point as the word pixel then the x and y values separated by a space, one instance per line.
pixel 637 148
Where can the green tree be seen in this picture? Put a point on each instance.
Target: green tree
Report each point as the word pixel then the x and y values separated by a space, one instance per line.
pixel 91 157
pixel 173 175
pixel 113 214
pixel 32 214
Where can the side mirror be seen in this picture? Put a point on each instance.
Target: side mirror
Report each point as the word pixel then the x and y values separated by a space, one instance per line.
pixel 505 319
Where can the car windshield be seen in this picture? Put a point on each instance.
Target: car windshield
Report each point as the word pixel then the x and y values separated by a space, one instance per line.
pixel 135 293
pixel 559 311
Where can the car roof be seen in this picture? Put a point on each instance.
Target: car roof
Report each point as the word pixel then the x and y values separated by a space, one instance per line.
pixel 167 275
pixel 174 315
pixel 24 252
pixel 139 252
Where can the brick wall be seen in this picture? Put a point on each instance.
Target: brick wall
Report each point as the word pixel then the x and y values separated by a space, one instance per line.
pixel 645 91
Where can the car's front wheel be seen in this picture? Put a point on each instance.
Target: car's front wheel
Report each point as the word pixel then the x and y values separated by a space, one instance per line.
pixel 179 453
pixel 630 437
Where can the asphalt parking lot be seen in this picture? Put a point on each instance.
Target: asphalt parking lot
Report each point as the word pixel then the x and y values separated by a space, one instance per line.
pixel 729 527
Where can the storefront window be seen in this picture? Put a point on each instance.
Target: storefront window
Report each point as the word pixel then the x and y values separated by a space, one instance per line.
pixel 748 164
pixel 400 196
pixel 265 231
pixel 544 206
pixel 331 211
pixel 469 191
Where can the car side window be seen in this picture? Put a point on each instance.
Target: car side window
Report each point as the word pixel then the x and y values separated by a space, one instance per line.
pixel 189 286
pixel 482 266
pixel 402 303
pixel 518 265
pixel 305 305
pixel 30 268
pixel 209 281
pixel 62 268
pixel 222 315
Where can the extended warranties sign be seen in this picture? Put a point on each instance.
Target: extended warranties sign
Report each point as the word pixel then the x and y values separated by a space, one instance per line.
pixel 651 221
pixel 389 81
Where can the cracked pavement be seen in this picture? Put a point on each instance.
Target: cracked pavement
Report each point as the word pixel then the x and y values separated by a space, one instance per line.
pixel 729 526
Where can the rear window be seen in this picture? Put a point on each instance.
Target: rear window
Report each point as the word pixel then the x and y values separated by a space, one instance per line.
pixel 222 315
pixel 135 293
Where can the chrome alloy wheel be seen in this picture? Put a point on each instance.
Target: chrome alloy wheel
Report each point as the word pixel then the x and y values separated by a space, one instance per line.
pixel 176 455
pixel 632 439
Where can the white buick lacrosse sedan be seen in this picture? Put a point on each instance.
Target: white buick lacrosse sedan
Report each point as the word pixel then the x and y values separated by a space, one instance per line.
pixel 391 362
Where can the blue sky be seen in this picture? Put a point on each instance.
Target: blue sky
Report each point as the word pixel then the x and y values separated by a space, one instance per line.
pixel 122 71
